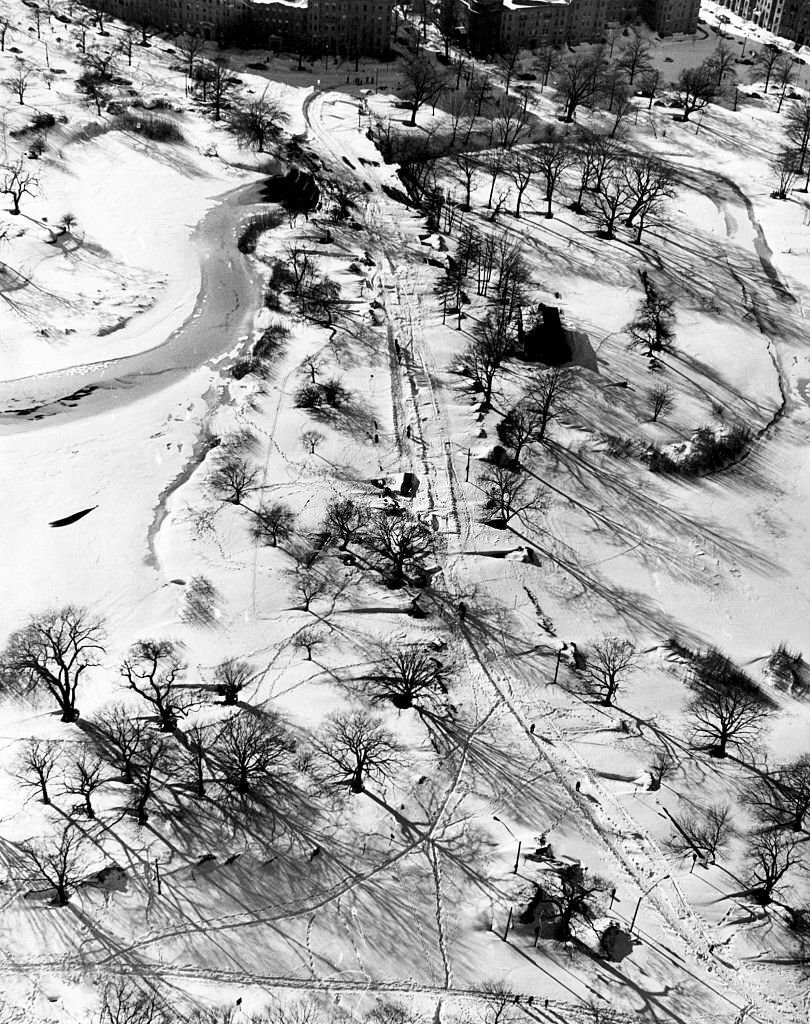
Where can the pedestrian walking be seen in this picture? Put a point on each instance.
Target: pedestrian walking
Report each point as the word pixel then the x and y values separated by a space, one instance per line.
pixel 578 785
pixel 462 611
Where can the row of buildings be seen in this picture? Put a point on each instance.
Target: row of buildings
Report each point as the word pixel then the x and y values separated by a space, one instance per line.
pixel 787 18
pixel 353 27
pixel 533 23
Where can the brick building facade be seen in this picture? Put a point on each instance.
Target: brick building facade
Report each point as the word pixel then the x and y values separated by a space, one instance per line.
pixel 505 24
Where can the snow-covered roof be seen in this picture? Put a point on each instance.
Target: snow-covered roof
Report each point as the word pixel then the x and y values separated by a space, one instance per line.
pixel 514 5
pixel 285 3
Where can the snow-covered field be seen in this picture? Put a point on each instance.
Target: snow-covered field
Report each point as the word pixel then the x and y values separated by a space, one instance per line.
pixel 411 892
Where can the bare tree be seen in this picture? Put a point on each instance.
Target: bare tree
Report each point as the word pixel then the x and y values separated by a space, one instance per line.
pixel 121 735
pixel 634 58
pixel 649 183
pixel 549 393
pixel 58 861
pixel 554 157
pixel 231 676
pixel 401 546
pixel 408 678
pixel 232 479
pixel 51 653
pixel 198 742
pixel 771 856
pixel 468 164
pixel 459 109
pixel 511 126
pixel 578 81
pixel 784 75
pixel 722 63
pixel 706 831
pixel 253 751
pixel 575 894
pixel 662 765
pixel 153 669
pixel 154 756
pixel 522 426
pixel 273 521
pixel 492 342
pixel 17 181
pixel 661 400
pixel 609 661
pixel 423 83
pixel 728 709
pixel 84 776
pixel 310 439
pixel 546 63
pixel 508 62
pixel 259 122
pixel 781 798
pixel 309 583
pixel 345 518
pixel 592 157
pixel 521 166
pixel 697 88
pixel 190 45
pixel 786 170
pixel 36 765
pixel 797 130
pixel 766 59
pixel 18 83
pixel 612 200
pixel 221 82
pixel 446 18
pixel 124 1002
pixel 308 639
pixel 356 749
pixel 508 495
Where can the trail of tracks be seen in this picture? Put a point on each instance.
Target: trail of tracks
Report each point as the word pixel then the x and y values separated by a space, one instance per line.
pixel 633 847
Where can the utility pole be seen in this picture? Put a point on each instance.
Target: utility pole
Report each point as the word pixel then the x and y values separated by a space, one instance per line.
pixel 517 858
pixel 508 924
pixel 467 471
pixel 557 666
pixel 157 876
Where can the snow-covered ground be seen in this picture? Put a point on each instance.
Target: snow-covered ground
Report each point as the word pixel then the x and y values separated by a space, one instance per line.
pixel 406 895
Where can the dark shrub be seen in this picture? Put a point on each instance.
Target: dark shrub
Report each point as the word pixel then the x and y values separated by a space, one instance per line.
pixel 157 129
pixel 334 393
pixel 308 396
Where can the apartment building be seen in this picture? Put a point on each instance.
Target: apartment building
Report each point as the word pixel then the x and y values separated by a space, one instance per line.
pixel 347 27
pixel 505 24
pixel 787 18
pixel 350 26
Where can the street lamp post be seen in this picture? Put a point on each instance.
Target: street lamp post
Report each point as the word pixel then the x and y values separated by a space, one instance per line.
pixel 641 897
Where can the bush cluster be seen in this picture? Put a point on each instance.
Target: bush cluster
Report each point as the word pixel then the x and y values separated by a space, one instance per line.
pixel 709 452
pixel 156 129
pixel 329 392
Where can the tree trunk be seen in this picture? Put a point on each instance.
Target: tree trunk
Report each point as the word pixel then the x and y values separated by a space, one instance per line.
pixel 46 799
pixel 62 894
